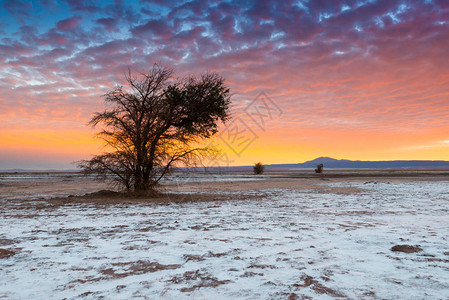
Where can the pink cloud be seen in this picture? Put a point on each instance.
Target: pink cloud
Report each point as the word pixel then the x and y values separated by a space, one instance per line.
pixel 68 24
pixel 109 23
pixel 353 69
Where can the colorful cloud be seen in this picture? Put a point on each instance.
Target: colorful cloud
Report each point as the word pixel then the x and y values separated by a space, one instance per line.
pixel 358 79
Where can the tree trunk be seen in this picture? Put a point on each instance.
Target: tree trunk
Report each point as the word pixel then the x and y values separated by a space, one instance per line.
pixel 141 183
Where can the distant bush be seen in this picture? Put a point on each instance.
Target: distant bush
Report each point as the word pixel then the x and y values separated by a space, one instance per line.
pixel 258 168
pixel 319 168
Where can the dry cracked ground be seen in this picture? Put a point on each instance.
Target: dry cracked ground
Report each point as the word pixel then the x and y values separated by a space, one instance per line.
pixel 270 238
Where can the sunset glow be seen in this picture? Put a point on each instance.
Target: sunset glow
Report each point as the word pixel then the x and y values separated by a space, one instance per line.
pixel 355 79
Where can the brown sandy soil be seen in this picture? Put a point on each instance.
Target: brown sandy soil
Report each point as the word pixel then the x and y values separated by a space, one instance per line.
pixel 262 184
pixel 74 187
pixel 307 180
pixel 18 186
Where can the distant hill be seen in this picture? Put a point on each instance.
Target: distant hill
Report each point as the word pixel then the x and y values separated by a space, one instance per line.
pixel 328 162
pixel 333 163
pixel 37 171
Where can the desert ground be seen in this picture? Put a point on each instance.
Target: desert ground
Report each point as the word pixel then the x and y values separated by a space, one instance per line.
pixel 228 235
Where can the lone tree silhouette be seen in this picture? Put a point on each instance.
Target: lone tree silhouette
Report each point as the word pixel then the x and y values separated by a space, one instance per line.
pixel 258 168
pixel 153 123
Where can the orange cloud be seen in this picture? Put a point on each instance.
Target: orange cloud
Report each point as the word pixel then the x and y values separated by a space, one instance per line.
pixel 366 82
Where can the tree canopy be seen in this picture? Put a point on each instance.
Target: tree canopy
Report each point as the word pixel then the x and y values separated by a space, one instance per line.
pixel 154 122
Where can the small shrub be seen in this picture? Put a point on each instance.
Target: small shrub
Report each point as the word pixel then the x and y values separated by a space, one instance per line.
pixel 258 168
pixel 319 168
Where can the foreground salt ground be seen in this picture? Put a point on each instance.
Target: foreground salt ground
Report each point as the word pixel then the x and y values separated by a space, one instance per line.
pixel 285 243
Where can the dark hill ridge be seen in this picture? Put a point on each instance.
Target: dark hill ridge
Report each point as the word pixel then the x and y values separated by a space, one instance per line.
pixel 333 163
pixel 38 171
pixel 328 162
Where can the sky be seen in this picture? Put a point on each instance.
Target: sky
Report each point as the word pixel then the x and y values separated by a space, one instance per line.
pixel 355 79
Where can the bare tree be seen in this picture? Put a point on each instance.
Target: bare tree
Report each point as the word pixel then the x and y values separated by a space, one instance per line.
pixel 319 168
pixel 153 123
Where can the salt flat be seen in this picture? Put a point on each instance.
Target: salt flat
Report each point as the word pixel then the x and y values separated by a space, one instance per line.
pixel 272 238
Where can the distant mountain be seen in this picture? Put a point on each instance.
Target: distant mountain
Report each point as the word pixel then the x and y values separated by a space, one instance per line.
pixel 328 162
pixel 37 171
pixel 333 163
